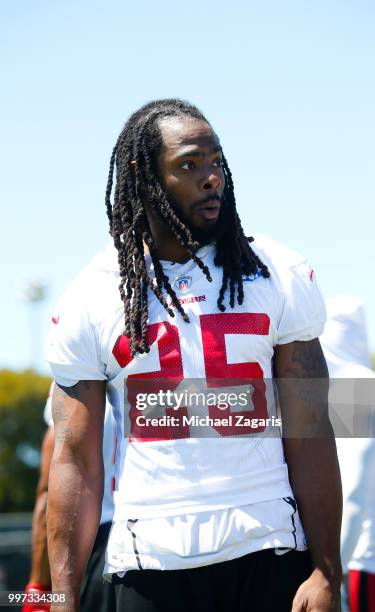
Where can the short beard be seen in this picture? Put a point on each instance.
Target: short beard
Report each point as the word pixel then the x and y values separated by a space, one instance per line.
pixel 211 233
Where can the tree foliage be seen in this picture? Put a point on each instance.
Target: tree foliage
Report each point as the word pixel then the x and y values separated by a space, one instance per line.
pixel 22 399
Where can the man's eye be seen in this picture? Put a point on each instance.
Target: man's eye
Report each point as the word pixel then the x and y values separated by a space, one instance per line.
pixel 187 165
pixel 218 163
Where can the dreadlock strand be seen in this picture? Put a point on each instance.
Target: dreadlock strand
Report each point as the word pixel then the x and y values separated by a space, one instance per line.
pixel 109 188
pixel 144 318
pixel 162 281
pixel 222 291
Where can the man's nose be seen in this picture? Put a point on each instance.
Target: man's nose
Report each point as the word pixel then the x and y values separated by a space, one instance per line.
pixel 210 182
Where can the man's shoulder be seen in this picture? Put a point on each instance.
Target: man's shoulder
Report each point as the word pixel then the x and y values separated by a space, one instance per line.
pixel 103 263
pixel 275 254
pixel 293 278
pixel 102 268
pixel 86 314
pixel 93 292
pixel 105 260
pixel 284 264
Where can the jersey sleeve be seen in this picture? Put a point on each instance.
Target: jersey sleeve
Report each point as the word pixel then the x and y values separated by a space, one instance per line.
pixel 304 313
pixel 71 347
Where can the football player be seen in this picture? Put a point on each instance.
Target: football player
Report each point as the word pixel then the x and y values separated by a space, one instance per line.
pixel 207 517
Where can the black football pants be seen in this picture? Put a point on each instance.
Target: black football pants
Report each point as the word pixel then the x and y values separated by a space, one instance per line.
pixel 258 582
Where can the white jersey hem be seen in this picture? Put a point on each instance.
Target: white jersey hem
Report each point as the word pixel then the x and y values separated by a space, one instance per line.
pixel 173 562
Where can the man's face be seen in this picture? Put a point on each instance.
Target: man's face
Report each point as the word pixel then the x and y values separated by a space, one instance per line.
pixel 190 171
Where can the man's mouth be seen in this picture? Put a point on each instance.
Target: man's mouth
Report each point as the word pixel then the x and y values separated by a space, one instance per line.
pixel 209 210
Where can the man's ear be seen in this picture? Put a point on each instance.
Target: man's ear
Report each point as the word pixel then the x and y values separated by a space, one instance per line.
pixel 133 165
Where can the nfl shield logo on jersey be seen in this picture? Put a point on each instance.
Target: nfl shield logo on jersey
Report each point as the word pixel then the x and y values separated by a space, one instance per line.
pixel 183 283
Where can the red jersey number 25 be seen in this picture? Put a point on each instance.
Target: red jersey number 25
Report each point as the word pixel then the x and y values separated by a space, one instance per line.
pixel 219 373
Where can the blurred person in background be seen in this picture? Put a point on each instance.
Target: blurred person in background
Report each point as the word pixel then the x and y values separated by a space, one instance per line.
pixel 345 345
pixel 96 594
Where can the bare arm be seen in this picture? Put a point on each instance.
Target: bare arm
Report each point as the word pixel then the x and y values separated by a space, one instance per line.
pixel 310 452
pixel 75 484
pixel 39 556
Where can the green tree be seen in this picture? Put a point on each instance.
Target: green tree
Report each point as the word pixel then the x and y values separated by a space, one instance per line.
pixel 22 400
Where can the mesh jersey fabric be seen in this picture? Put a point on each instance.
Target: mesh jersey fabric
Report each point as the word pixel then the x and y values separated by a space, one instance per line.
pixel 167 479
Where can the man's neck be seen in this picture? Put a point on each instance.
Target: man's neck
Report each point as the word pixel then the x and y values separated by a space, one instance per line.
pixel 168 252
pixel 167 246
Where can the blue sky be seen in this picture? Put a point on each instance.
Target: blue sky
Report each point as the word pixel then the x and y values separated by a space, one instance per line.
pixel 289 87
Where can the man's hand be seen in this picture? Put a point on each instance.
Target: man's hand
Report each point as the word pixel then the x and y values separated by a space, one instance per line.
pixel 317 594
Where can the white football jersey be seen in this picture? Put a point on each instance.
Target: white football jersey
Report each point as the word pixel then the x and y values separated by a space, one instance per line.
pixel 169 472
pixel 109 446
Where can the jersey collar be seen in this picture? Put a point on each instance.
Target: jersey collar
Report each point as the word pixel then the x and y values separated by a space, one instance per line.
pixel 182 268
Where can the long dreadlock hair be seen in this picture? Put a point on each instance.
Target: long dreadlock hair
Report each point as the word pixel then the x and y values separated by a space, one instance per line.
pixel 141 141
